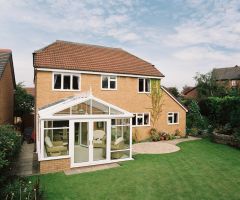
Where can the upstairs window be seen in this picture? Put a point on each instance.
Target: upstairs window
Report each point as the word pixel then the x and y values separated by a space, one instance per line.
pixel 141 119
pixel 63 81
pixel 144 85
pixel 109 82
pixel 234 83
pixel 173 118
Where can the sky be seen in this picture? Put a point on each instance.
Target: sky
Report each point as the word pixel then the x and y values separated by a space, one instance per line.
pixel 179 37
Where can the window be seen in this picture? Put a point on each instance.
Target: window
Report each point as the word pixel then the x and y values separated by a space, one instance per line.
pixel 63 81
pixel 234 83
pixel 56 138
pixel 141 119
pixel 173 118
pixel 143 85
pixel 109 82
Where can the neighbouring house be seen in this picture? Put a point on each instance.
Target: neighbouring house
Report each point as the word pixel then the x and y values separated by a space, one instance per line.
pixel 190 93
pixel 90 101
pixel 7 87
pixel 228 76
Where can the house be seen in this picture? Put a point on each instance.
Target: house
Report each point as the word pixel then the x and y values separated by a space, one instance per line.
pixel 7 87
pixel 90 101
pixel 228 76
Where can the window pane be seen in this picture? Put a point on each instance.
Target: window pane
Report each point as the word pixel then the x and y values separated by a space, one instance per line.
pixel 139 120
pixel 147 85
pixel 146 119
pixel 170 119
pixel 99 108
pixel 115 112
pixel 82 108
pixel 120 155
pixel 63 112
pixel 57 124
pixel 113 84
pixel 75 83
pixel 104 82
pixel 57 81
pixel 175 117
pixel 140 85
pixel 66 82
pixel 134 120
pixel 56 142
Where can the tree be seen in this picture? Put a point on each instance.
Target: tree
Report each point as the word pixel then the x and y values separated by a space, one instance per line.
pixel 208 87
pixel 24 102
pixel 157 101
pixel 174 91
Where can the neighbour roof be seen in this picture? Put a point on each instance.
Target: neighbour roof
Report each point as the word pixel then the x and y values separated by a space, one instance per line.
pixel 228 73
pixel 187 90
pixel 86 57
pixel 5 57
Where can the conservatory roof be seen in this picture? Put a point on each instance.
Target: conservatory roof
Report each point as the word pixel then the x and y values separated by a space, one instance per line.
pixel 84 105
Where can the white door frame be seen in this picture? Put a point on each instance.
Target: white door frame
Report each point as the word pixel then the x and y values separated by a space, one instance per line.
pixel 90 141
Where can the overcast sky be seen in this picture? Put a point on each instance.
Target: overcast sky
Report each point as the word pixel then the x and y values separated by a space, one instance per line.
pixel 180 37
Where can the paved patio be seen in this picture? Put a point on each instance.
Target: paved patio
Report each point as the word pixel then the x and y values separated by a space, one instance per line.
pixel 160 147
pixel 26 163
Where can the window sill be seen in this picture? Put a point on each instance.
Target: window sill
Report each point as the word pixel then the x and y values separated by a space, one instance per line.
pixel 65 90
pixel 144 92
pixel 173 123
pixel 105 89
pixel 140 125
pixel 55 158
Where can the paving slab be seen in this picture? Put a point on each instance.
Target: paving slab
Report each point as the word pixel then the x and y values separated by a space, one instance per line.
pixel 90 168
pixel 160 147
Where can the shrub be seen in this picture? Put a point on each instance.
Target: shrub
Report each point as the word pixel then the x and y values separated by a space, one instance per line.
pixel 154 134
pixel 10 145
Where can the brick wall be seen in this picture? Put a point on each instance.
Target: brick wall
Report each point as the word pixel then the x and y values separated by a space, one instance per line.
pixel 47 166
pixel 126 97
pixel 6 96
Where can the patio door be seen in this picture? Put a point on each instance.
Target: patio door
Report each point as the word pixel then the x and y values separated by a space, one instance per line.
pixel 90 142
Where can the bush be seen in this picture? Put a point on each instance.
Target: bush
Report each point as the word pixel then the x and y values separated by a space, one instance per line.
pixel 10 145
pixel 221 111
pixel 154 134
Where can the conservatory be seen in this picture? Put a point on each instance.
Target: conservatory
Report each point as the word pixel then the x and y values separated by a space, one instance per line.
pixel 85 129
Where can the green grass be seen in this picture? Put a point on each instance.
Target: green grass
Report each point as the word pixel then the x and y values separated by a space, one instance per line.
pixel 201 170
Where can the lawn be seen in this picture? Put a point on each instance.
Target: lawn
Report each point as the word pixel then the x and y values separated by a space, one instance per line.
pixel 201 170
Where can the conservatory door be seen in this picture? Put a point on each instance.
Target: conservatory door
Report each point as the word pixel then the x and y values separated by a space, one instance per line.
pixel 90 142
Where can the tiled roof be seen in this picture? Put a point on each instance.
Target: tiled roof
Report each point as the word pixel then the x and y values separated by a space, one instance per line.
pixel 228 73
pixel 85 57
pixel 4 58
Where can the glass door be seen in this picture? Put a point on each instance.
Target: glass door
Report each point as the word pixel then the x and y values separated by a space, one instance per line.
pixel 81 142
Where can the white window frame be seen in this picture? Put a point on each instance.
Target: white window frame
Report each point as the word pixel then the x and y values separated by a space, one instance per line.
pixel 234 83
pixel 144 80
pixel 172 114
pixel 109 79
pixel 136 114
pixel 71 81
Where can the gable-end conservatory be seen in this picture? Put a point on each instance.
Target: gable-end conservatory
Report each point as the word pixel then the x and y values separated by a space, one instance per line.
pixel 85 129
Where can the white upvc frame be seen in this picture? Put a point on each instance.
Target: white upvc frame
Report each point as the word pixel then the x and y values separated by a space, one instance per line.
pixel 149 122
pixel 144 80
pixel 80 118
pixel 172 113
pixel 90 142
pixel 109 80
pixel 71 81
pixel 233 83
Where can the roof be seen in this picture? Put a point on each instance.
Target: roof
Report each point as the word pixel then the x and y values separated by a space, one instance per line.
pixel 86 57
pixel 30 90
pixel 188 89
pixel 228 73
pixel 5 57
pixel 175 99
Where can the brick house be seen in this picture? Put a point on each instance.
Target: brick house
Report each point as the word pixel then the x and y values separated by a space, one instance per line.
pixel 228 76
pixel 90 101
pixel 7 87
